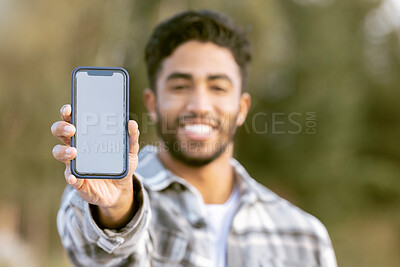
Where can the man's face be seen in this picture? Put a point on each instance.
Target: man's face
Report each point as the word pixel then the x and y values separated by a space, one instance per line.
pixel 198 102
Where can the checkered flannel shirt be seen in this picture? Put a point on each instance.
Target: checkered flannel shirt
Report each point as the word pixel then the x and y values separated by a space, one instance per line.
pixel 170 229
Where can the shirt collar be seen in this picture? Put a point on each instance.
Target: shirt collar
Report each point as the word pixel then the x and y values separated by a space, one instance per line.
pixel 156 177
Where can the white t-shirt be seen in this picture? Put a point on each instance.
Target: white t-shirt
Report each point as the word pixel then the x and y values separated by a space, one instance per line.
pixel 219 218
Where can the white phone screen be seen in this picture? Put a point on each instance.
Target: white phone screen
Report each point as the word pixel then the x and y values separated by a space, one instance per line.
pixel 100 120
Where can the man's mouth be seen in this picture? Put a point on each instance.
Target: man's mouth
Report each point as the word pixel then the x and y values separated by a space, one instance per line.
pixel 197 131
pixel 198 128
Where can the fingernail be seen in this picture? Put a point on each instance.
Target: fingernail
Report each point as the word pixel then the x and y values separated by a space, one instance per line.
pixel 69 179
pixel 68 129
pixel 69 151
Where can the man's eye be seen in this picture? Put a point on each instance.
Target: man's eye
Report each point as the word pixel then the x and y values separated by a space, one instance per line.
pixel 180 87
pixel 217 88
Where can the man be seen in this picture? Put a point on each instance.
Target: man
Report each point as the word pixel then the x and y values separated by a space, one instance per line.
pixel 187 202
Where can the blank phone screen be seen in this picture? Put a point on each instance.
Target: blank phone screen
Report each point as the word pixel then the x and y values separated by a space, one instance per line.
pixel 100 120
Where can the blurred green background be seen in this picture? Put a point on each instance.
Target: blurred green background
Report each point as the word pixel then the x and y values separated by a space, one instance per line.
pixel 322 131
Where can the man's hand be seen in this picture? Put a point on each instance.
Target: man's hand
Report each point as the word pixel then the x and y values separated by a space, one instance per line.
pixel 114 197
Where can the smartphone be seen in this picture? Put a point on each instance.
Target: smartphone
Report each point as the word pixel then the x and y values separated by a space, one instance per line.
pixel 100 113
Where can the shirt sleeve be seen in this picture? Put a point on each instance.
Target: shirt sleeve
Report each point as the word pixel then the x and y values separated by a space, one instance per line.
pixel 87 244
pixel 326 252
pixel 328 258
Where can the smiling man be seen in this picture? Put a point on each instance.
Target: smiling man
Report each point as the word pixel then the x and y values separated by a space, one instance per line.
pixel 187 202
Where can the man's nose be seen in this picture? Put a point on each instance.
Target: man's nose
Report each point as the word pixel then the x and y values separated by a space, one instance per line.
pixel 200 100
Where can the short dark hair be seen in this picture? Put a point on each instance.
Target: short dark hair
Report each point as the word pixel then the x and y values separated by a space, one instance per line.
pixel 203 26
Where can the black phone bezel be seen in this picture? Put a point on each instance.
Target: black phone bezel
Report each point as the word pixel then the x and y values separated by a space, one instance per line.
pixel 126 135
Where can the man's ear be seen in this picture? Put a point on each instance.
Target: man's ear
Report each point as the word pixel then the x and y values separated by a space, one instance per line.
pixel 150 102
pixel 244 106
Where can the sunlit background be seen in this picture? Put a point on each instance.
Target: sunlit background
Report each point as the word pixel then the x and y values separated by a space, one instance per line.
pixel 323 130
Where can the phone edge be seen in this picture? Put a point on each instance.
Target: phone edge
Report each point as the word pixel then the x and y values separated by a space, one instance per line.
pixel 72 162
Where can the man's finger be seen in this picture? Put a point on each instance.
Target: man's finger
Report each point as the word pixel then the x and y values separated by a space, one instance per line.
pixel 64 153
pixel 66 112
pixel 63 131
pixel 133 137
pixel 71 179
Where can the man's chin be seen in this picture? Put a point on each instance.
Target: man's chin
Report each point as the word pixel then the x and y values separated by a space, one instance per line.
pixel 193 153
pixel 196 158
pixel 193 161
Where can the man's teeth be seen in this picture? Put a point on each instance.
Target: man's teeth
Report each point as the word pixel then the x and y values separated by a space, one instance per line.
pixel 198 128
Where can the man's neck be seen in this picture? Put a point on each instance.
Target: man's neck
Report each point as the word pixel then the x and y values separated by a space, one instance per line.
pixel 214 181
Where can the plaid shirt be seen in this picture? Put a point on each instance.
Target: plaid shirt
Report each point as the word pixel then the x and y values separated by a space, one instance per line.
pixel 170 229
